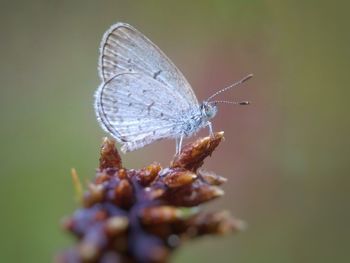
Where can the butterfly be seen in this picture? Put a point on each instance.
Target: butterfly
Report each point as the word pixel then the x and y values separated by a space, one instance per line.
pixel 143 96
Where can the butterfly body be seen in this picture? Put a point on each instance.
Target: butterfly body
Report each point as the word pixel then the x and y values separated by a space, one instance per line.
pixel 143 97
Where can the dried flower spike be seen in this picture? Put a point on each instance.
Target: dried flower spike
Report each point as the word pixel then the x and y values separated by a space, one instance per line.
pixel 131 216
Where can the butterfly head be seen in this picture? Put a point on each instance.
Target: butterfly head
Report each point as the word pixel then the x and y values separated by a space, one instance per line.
pixel 209 109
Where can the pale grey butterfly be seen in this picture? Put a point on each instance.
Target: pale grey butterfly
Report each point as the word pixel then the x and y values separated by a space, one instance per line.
pixel 143 97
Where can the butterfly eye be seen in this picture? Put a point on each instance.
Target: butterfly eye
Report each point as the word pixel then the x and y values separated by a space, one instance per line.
pixel 204 108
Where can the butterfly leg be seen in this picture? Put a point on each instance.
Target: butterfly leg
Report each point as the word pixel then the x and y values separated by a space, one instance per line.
pixel 210 126
pixel 179 144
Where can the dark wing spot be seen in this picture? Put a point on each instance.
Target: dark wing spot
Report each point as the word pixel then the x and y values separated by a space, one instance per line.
pixel 130 104
pixel 150 106
pixel 161 114
pixel 144 91
pixel 129 94
pixel 156 74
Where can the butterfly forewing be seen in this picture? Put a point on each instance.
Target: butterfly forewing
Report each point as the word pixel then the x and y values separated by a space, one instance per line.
pixel 124 49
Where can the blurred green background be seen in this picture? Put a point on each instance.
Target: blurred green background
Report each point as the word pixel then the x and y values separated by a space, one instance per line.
pixel 286 155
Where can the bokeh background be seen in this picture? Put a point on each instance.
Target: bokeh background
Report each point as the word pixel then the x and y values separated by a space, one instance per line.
pixel 286 155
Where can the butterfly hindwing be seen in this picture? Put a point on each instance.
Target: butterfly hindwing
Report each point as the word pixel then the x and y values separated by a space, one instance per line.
pixel 137 110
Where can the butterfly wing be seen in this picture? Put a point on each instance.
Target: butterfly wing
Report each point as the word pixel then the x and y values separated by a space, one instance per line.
pixel 124 49
pixel 136 110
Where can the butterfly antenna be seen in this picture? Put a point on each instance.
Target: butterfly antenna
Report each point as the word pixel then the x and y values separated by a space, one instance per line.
pixel 231 86
pixel 231 102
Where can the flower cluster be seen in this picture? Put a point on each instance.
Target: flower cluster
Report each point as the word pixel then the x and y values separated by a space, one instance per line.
pixel 142 215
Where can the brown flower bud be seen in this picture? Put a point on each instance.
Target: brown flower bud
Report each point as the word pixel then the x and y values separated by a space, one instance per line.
pixel 124 194
pixel 193 154
pixel 154 192
pixel 67 223
pixel 122 174
pixel 193 195
pixel 102 177
pixel 174 178
pixel 211 177
pixel 94 195
pixel 160 214
pixel 116 225
pixel 219 223
pixel 88 251
pixel 110 157
pixel 149 173
pixel 92 243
